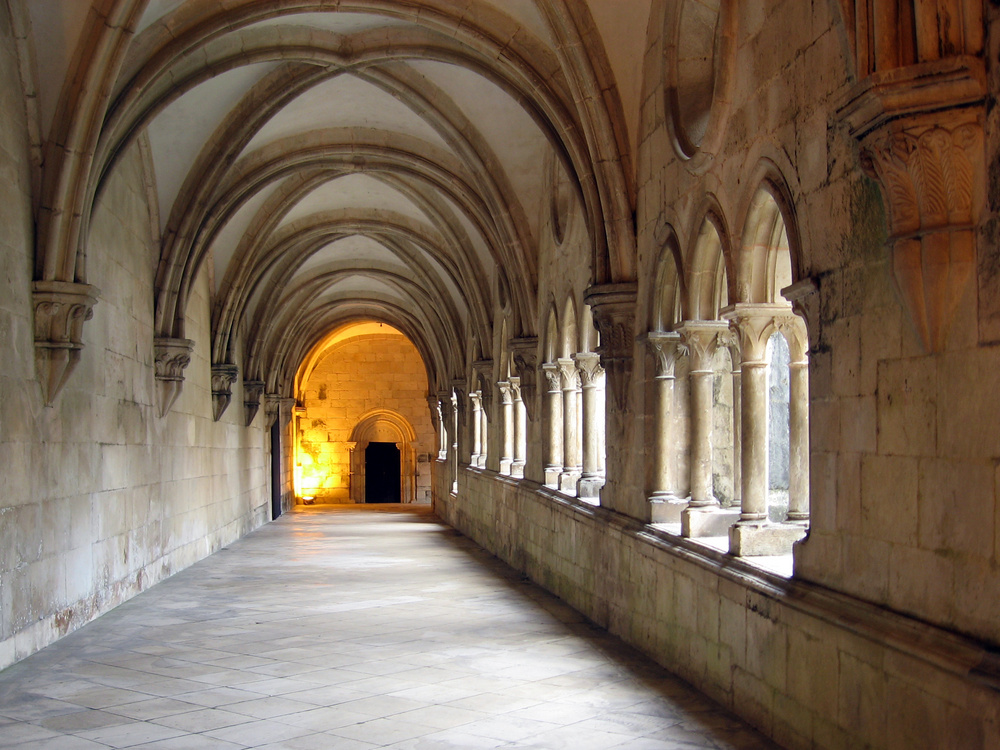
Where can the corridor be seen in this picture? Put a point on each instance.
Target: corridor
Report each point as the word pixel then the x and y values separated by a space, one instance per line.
pixel 351 628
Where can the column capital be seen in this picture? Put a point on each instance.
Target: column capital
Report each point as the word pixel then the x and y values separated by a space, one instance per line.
pixel 525 353
pixel 701 338
pixel 588 364
pixel 506 392
pixel 753 325
pixel 804 296
pixel 666 347
pixel 553 376
pixel 569 375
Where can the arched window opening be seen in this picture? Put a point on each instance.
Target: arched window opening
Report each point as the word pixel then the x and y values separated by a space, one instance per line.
pixel 777 428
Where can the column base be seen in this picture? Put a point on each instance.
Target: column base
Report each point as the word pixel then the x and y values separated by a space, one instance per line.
pixel 517 469
pixel 567 482
pixel 505 464
pixel 707 520
pixel 666 508
pixel 760 538
pixel 552 478
pixel 589 487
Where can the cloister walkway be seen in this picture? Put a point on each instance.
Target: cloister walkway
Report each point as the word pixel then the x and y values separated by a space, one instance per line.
pixel 351 627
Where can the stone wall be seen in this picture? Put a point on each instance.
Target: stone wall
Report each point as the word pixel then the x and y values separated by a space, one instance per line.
pixel 359 377
pixel 807 666
pixel 99 497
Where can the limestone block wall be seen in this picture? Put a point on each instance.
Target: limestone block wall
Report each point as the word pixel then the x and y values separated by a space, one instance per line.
pixel 99 497
pixel 807 666
pixel 360 376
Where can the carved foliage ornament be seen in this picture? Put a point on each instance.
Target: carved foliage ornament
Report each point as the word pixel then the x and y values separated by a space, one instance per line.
pixel 171 358
pixel 929 177
pixel 613 306
pixel 223 377
pixel 61 309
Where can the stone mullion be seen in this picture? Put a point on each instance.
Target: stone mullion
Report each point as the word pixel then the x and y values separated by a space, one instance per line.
pixel 591 376
pixel 552 418
pixel 664 504
pixel 798 419
pixel 571 435
pixel 507 426
pixel 520 429
pixel 477 428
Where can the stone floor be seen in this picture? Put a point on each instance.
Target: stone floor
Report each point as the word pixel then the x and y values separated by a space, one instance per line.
pixel 351 628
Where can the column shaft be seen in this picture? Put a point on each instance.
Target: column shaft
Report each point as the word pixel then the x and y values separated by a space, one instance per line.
pixel 755 446
pixel 798 442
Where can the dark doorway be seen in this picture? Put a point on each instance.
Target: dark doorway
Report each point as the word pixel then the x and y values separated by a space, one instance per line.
pixel 275 469
pixel 382 473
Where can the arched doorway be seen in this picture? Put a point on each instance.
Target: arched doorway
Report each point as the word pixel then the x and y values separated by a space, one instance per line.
pixel 383 453
pixel 382 473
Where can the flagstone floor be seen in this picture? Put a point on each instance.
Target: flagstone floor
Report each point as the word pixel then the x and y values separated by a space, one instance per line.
pixel 352 627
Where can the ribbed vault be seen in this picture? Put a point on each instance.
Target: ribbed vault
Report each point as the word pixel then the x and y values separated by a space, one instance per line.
pixel 337 161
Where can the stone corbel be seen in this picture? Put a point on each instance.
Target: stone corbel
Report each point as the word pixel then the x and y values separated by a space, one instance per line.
pixel 613 306
pixel 252 390
pixel 61 309
pixel 525 353
pixel 223 377
pixel 920 128
pixel 484 370
pixel 435 410
pixel 288 407
pixel 805 304
pixel 172 356
pixel 271 406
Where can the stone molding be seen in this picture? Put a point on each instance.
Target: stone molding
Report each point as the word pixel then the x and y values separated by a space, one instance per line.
pixel 252 391
pixel 171 358
pixel 613 306
pixel 223 377
pixel 61 308
pixel 930 170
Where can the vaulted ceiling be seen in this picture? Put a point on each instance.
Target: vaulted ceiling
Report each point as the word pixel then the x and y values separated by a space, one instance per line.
pixel 331 161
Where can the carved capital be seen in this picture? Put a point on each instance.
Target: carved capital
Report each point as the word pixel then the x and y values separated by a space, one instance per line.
pixel 287 408
pixel 753 325
pixel 553 377
pixel 702 338
pixel 613 306
pixel 588 364
pixel 252 390
pixel 223 377
pixel 665 347
pixel 171 358
pixel 447 402
pixel 569 376
pixel 506 392
pixel 920 130
pixel 61 309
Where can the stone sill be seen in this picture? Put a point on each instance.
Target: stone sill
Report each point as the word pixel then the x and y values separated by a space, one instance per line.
pixel 957 654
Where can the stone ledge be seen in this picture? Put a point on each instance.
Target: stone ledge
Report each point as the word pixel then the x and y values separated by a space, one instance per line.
pixel 762 539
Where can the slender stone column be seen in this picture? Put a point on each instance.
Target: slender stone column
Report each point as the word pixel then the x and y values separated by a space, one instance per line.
pixel 571 433
pixel 552 419
pixel 794 329
pixel 754 325
pixel 520 429
pixel 703 516
pixel 462 434
pixel 588 364
pixel 665 505
pixel 737 356
pixel 484 421
pixel 477 428
pixel 754 534
pixel 507 425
